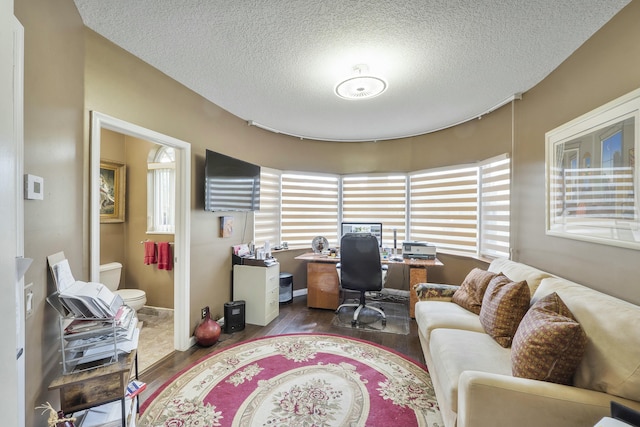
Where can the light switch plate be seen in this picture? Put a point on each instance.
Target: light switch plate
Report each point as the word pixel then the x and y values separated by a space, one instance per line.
pixel 28 300
pixel 33 187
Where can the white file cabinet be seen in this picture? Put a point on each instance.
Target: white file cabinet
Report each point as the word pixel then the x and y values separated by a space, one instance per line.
pixel 259 288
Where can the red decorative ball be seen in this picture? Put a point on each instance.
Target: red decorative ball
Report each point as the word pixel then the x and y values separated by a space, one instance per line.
pixel 208 331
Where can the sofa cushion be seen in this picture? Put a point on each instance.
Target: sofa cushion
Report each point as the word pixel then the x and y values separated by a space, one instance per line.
pixel 455 351
pixel 549 343
pixel 504 305
pixel 611 362
pixel 432 315
pixel 517 271
pixel 472 289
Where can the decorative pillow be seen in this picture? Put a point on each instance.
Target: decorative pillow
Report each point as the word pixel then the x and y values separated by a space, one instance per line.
pixel 434 291
pixel 549 343
pixel 504 305
pixel 472 290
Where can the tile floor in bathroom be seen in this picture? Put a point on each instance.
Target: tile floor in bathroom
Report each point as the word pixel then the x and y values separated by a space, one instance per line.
pixel 156 335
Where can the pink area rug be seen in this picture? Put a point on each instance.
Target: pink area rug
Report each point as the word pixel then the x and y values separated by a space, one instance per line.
pixel 304 380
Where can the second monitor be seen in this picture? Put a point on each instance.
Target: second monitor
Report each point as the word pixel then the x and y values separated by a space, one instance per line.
pixel 374 228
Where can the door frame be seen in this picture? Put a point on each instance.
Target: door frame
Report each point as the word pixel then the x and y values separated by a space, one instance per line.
pixel 182 239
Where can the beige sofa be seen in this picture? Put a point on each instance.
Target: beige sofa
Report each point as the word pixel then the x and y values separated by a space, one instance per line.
pixel 472 375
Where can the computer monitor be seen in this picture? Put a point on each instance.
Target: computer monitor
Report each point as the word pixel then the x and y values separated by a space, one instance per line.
pixel 374 228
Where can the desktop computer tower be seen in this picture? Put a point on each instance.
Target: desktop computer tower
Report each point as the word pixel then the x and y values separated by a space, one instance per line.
pixel 234 316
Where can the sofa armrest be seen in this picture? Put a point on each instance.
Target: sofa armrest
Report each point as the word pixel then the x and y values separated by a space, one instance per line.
pixel 486 399
pixel 434 291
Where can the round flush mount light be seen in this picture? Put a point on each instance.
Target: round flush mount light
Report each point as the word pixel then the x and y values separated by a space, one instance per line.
pixel 360 86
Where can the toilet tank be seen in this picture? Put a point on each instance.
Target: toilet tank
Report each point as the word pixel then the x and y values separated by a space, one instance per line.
pixel 110 275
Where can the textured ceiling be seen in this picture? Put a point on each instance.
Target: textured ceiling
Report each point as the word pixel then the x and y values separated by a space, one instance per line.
pixel 276 63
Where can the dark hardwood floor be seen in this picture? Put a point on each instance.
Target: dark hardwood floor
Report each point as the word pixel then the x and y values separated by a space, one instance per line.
pixel 295 317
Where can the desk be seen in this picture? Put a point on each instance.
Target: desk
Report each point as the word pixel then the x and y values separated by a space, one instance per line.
pixel 323 287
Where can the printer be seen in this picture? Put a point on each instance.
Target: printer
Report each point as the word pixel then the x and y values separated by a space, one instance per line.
pixel 418 250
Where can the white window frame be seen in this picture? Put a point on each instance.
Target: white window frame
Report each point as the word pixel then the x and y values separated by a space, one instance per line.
pixel 161 189
pixel 482 193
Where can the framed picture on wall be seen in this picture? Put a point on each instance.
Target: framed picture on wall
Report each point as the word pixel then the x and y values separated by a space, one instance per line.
pixel 226 226
pixel 112 191
pixel 596 199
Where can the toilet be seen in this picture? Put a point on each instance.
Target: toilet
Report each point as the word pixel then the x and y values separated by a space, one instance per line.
pixel 110 277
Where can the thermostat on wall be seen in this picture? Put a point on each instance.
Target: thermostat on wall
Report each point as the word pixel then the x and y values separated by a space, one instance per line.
pixel 33 187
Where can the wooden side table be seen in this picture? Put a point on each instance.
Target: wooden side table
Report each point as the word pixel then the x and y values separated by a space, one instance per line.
pixel 95 387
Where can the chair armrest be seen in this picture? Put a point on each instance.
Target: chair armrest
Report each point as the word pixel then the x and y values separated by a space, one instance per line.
pixel 503 401
pixel 434 291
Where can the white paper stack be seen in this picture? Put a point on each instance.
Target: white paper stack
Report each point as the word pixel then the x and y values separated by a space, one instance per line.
pixel 84 299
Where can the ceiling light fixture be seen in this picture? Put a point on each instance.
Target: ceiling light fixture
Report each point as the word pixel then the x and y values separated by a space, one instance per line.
pixel 361 86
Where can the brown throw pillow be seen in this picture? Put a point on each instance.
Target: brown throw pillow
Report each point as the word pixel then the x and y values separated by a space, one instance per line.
pixel 549 343
pixel 472 290
pixel 504 305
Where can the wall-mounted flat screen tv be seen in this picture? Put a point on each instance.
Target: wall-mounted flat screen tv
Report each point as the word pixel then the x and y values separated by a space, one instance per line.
pixel 230 184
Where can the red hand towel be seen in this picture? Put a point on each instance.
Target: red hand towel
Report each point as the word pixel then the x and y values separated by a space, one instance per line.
pixel 150 253
pixel 164 256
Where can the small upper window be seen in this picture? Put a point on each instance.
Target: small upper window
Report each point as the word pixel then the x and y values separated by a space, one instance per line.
pixel 161 190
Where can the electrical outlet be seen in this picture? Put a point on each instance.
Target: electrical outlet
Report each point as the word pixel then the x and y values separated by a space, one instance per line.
pixel 203 312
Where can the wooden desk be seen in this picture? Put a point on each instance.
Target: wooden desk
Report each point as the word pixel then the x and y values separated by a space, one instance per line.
pixel 323 287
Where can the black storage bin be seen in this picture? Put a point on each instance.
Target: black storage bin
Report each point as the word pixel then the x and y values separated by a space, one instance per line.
pixel 286 288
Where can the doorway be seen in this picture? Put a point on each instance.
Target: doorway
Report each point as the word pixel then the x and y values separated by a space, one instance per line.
pixel 182 333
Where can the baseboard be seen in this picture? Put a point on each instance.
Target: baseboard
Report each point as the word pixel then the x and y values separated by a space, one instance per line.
pixel 299 292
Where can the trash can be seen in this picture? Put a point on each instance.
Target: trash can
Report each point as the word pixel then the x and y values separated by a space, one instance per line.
pixel 286 288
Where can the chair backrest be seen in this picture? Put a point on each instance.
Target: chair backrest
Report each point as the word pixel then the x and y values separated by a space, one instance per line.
pixel 360 266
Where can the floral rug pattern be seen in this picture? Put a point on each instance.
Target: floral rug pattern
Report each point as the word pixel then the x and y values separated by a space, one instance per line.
pixel 301 380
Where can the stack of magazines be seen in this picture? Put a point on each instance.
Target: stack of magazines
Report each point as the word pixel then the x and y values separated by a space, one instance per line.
pixel 90 340
pixel 95 324
pixel 84 299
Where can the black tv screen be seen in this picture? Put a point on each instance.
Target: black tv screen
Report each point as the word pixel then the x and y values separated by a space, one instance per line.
pixel 230 184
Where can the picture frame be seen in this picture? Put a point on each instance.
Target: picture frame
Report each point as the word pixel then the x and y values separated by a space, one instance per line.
pixel 592 181
pixel 226 226
pixel 112 191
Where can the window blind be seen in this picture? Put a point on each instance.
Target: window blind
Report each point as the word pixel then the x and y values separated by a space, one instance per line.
pixel 377 198
pixel 495 178
pixel 444 208
pixel 267 219
pixel 309 208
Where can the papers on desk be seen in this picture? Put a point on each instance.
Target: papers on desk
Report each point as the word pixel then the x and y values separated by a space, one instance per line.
pixel 84 299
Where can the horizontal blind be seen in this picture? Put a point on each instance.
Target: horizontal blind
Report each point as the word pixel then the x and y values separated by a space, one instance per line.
pixel 444 208
pixel 267 219
pixel 377 198
pixel 599 193
pixel 495 207
pixel 309 208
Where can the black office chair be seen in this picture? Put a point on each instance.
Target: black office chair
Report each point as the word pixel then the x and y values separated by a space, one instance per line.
pixel 360 270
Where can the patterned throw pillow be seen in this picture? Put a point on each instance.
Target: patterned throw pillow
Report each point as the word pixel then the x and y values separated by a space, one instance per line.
pixel 504 305
pixel 472 290
pixel 434 291
pixel 549 343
